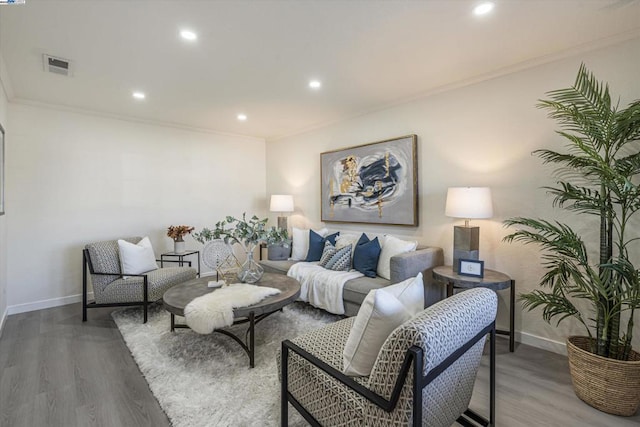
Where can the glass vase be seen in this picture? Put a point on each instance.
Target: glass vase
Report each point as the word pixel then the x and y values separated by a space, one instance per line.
pixel 250 271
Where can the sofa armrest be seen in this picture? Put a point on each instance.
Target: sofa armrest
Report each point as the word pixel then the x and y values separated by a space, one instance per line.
pixel 409 264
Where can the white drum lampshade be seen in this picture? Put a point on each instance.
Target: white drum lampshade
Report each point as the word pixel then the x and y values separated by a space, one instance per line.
pixel 281 203
pixel 467 203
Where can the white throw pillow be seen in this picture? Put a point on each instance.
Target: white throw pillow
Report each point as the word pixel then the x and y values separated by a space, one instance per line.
pixel 392 246
pixel 379 314
pixel 300 244
pixel 347 239
pixel 137 259
pixel 410 293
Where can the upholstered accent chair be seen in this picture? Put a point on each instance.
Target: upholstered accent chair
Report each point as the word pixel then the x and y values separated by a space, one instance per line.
pixel 110 287
pixel 423 376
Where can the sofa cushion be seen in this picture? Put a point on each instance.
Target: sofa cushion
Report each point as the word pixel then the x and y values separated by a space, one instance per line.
pixel 355 290
pixel 328 252
pixel 341 260
pixel 378 316
pixel 366 254
pixel 137 258
pixel 410 293
pixel 300 243
pixel 347 239
pixel 277 267
pixel 392 246
pixel 131 289
pixel 316 245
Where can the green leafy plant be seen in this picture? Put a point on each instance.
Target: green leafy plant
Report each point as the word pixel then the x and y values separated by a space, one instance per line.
pixel 204 236
pixel 278 236
pixel 597 176
pixel 247 233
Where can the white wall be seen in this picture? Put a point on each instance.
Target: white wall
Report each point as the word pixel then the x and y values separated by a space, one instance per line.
pixel 76 178
pixel 3 218
pixel 479 135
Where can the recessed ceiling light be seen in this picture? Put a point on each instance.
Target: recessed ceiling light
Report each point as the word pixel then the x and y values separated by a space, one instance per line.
pixel 188 35
pixel 483 8
pixel 242 117
pixel 315 84
pixel 139 95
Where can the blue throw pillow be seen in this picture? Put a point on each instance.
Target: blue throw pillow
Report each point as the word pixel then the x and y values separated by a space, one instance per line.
pixel 316 245
pixel 365 256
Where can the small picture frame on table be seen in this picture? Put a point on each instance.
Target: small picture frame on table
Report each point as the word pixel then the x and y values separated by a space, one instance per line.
pixel 471 267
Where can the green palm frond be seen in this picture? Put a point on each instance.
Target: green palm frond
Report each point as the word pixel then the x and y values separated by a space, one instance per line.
pixel 556 237
pixel 628 124
pixel 576 198
pixel 553 305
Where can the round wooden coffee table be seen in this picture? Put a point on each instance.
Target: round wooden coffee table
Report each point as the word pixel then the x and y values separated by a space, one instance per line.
pixel 177 298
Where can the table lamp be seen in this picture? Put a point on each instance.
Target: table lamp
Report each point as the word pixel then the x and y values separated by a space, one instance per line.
pixel 468 203
pixel 281 203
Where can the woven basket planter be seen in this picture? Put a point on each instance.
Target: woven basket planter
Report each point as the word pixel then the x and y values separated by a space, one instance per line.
pixel 610 385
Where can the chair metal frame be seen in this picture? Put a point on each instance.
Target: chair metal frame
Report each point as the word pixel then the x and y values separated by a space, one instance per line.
pixel 87 264
pixel 413 355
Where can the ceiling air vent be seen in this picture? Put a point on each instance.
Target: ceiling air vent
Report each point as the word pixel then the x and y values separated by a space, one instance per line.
pixel 56 65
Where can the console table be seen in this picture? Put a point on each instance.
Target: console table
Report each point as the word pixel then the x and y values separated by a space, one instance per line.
pixel 492 279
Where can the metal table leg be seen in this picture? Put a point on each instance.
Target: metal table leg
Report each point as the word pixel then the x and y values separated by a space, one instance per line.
pixel 512 303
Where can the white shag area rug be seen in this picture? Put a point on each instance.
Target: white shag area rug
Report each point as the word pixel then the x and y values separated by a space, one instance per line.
pixel 205 380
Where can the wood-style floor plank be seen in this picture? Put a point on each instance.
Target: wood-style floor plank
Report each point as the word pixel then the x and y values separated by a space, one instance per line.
pixel 57 371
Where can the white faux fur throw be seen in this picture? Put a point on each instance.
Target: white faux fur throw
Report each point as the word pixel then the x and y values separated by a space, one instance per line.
pixel 215 310
pixel 320 287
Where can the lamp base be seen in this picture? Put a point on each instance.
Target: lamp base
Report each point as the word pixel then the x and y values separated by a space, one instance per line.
pixel 282 222
pixel 466 244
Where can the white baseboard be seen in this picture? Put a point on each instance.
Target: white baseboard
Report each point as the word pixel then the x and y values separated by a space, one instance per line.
pixel 3 319
pixel 543 343
pixel 48 303
pixel 523 337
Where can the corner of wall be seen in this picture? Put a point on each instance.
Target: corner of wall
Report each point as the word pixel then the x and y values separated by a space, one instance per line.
pixel 5 94
pixel 5 82
pixel 3 318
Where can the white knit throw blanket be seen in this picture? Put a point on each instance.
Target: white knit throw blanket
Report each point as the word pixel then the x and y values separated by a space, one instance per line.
pixel 215 310
pixel 320 287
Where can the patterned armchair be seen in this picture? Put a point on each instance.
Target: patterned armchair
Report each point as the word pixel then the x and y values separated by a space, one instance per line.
pixel 111 289
pixel 423 375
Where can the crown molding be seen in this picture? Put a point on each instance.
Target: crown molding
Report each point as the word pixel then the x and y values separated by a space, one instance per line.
pixel 103 114
pixel 500 72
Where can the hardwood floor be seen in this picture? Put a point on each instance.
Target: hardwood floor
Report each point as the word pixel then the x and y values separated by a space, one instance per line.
pixel 57 371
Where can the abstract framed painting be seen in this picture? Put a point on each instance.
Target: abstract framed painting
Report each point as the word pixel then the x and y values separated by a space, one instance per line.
pixel 374 183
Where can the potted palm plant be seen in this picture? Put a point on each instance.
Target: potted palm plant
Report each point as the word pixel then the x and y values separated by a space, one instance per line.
pixel 597 176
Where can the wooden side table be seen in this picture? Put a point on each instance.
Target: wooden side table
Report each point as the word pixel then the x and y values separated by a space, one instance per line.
pixel 492 279
pixel 180 256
